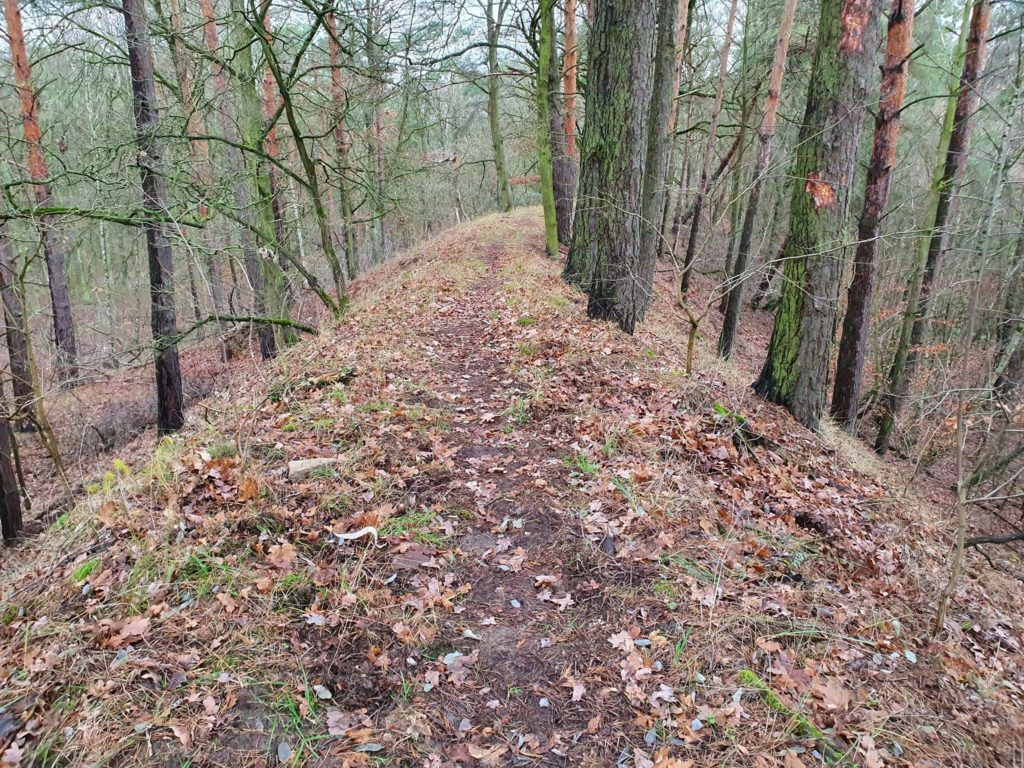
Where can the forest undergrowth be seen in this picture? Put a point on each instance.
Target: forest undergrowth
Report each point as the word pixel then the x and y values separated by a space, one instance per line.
pixel 472 527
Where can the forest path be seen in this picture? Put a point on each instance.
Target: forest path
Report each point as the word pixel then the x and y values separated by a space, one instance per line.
pixel 534 618
pixel 571 562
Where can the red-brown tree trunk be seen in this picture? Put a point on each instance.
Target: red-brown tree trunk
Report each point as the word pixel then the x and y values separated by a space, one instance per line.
pixel 53 248
pixel 919 299
pixel 734 296
pixel 853 347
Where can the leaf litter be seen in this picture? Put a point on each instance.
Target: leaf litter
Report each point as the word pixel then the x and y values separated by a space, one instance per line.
pixel 528 543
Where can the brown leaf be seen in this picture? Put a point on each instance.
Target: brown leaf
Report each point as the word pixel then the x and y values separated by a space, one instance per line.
pixel 283 555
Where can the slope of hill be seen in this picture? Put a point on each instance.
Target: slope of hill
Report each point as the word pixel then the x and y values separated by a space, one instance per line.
pixel 467 526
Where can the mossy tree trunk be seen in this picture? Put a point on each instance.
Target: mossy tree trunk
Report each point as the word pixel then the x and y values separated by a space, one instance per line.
pixel 264 272
pixel 734 296
pixel 944 189
pixel 853 346
pixel 659 152
pixel 495 16
pixel 608 224
pixel 795 372
pixel 13 314
pixel 10 494
pixel 346 232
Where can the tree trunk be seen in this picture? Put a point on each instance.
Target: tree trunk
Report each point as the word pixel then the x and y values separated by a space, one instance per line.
pixel 170 402
pixel 608 230
pixel 53 248
pixel 709 154
pixel 10 494
pixel 264 176
pixel 242 192
pixel 563 164
pixel 14 324
pixel 684 19
pixel 1009 373
pixel 564 161
pixel 346 234
pixel 198 148
pixel 270 109
pixel 265 272
pixel 545 47
pixel 795 373
pixel 494 22
pixel 734 296
pixel 659 152
pixel 915 319
pixel 853 347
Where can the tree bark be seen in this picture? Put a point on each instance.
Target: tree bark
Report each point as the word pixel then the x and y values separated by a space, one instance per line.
pixel 265 272
pixel 14 324
pixel 266 177
pixel 659 152
pixel 198 148
pixel 53 249
pixel 242 192
pixel 853 346
pixel 919 293
pixel 545 48
pixel 795 373
pixel 734 296
pixel 346 233
pixel 608 226
pixel 709 155
pixel 10 494
pixel 684 19
pixel 563 164
pixel 170 401
pixel 494 22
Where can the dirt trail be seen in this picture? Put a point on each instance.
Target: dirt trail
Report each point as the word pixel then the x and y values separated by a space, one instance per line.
pixel 573 563
pixel 534 612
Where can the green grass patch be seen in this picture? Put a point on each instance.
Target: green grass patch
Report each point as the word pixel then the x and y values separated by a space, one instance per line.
pixel 85 570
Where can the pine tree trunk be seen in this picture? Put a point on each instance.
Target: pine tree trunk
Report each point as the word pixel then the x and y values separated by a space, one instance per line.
pixel 198 148
pixel 241 190
pixel 853 347
pixel 659 152
pixel 564 135
pixel 563 165
pixel 734 296
pixel 684 19
pixel 346 234
pixel 10 494
pixel 265 274
pixel 269 102
pixel 494 22
pixel 795 373
pixel 608 228
pixel 545 48
pixel 170 401
pixel 709 154
pixel 278 88
pixel 915 320
pixel 53 248
pixel 14 324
